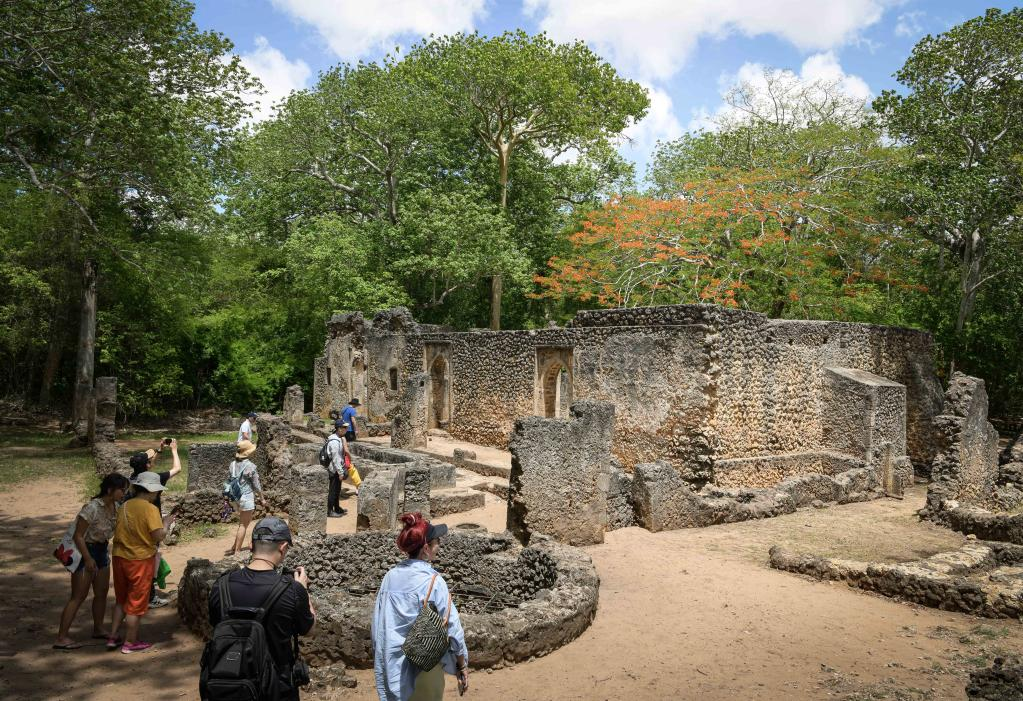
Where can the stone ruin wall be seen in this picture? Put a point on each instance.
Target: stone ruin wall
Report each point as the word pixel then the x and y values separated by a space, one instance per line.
pixel 693 384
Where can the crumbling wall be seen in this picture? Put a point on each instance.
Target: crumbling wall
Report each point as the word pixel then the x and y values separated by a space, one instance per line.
pixel 560 475
pixel 697 385
pixel 208 465
pixel 105 395
pixel 965 469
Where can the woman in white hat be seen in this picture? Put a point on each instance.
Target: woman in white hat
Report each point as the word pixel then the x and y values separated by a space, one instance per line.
pixel 244 471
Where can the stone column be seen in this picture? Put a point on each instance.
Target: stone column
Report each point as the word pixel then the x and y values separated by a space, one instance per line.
pixel 409 428
pixel 294 406
pixel 308 510
pixel 273 455
pixel 417 490
pixel 560 475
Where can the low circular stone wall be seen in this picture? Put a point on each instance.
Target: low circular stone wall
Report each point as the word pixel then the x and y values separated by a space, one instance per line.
pixel 515 603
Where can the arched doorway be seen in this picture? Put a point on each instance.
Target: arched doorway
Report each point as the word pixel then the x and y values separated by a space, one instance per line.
pixel 440 394
pixel 555 391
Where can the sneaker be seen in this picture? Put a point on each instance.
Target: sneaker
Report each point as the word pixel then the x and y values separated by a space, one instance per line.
pixel 139 646
pixel 334 514
pixel 114 643
pixel 156 602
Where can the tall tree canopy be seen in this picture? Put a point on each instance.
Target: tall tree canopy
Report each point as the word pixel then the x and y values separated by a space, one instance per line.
pixel 120 111
pixel 962 120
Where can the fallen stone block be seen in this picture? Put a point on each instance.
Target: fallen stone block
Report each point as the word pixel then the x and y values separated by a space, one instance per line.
pixel 456 500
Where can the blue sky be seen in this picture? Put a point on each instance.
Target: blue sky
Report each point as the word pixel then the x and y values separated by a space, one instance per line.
pixel 686 52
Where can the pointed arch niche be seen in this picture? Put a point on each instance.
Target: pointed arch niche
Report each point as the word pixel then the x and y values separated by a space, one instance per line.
pixel 553 385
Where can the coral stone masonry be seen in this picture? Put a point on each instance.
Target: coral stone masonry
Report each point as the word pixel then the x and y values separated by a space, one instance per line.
pixel 723 396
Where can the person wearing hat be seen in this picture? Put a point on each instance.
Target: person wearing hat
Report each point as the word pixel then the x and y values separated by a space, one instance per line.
pixel 245 430
pixel 348 416
pixel 340 467
pixel 137 534
pixel 291 615
pixel 406 588
pixel 244 470
pixel 145 462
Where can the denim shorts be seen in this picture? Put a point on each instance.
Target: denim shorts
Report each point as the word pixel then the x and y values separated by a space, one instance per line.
pixel 100 553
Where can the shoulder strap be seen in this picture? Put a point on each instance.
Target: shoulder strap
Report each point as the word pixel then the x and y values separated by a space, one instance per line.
pixel 429 591
pixel 225 595
pixel 278 589
pixel 447 613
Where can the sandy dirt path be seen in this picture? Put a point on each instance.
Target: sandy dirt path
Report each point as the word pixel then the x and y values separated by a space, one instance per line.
pixel 684 614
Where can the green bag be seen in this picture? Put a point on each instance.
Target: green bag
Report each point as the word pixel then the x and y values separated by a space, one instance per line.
pixel 161 574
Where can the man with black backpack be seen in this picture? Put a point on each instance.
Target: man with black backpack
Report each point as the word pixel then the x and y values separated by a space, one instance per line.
pixel 257 616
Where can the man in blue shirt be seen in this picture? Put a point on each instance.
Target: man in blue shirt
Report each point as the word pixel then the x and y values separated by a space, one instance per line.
pixel 348 416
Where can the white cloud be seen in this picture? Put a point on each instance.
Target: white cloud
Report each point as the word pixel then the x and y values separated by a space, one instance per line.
pixel 910 24
pixel 278 75
pixel 660 123
pixel 654 38
pixel 820 75
pixel 355 28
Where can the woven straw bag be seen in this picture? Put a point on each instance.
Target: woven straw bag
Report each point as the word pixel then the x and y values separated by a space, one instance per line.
pixel 427 639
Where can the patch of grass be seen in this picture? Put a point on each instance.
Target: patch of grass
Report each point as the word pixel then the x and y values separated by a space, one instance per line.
pixel 13 437
pixel 203 530
pixel 34 455
pixel 989 632
pixel 184 439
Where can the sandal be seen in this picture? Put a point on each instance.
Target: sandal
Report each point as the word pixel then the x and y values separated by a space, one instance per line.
pixel 66 646
pixel 114 643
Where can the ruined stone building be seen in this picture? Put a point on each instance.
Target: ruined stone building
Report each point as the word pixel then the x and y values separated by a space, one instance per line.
pixel 726 397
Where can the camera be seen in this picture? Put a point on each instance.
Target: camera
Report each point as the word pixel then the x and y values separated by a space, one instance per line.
pixel 166 441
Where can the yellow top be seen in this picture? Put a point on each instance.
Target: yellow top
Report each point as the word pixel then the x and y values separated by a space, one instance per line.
pixel 133 535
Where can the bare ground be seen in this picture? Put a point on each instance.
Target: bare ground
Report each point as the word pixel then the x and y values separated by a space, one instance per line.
pixel 683 614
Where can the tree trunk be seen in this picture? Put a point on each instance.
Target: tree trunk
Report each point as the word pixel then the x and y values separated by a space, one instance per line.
pixel 85 362
pixel 969 278
pixel 496 282
pixel 54 350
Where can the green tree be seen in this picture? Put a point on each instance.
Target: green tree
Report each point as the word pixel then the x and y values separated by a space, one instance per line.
pixel 122 109
pixel 516 90
pixel 962 120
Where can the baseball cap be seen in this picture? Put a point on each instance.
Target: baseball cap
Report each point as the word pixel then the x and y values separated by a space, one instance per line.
pixel 149 481
pixel 251 415
pixel 340 424
pixel 436 530
pixel 272 529
pixel 139 461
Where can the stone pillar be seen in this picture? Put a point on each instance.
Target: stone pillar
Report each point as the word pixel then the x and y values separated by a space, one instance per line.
pixel 560 475
pixel 294 406
pixel 417 490
pixel 409 428
pixel 965 468
pixel 308 511
pixel 105 395
pixel 273 455
pixel 379 497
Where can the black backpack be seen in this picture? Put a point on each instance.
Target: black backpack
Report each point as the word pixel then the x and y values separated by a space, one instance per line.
pixel 324 453
pixel 236 664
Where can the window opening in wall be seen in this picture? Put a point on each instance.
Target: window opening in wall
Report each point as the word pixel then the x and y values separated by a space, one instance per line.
pixel 393 378
pixel 328 376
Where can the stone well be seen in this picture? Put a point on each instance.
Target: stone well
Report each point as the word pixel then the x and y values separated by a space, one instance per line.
pixel 515 603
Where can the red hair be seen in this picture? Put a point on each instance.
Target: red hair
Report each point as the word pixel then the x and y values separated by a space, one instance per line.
pixel 413 534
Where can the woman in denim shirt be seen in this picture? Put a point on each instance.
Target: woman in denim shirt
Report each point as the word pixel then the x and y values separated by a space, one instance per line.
pixel 399 601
